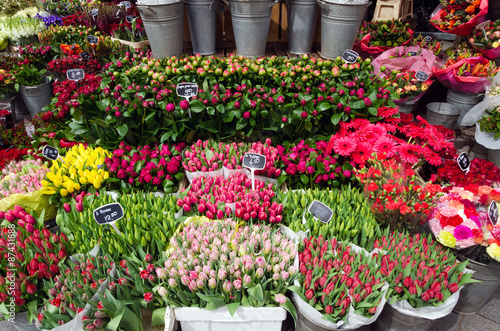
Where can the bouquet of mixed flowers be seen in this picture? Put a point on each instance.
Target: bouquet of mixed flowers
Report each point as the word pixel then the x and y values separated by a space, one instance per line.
pixel 409 88
pixel 378 36
pixel 399 197
pixel 60 7
pixel 55 36
pixel 249 265
pixel 487 40
pixel 423 42
pixel 490 122
pixel 460 219
pixel 459 16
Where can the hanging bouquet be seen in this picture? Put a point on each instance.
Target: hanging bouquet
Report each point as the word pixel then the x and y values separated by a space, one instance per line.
pixel 34 256
pixel 343 284
pixel 81 168
pixel 249 265
pixel 147 168
pixel 460 220
pixel 379 36
pixel 459 16
pixel 490 121
pixel 398 197
pixel 352 219
pixel 420 272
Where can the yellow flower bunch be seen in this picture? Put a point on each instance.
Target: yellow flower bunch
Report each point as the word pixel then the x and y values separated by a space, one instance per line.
pixel 493 250
pixel 447 239
pixel 80 167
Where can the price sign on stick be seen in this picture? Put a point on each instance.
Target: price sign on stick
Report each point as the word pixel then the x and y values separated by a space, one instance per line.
pixel 50 152
pixel 94 13
pixel 428 39
pixel 125 4
pixel 350 56
pixel 412 53
pixel 92 39
pixel 85 56
pixel 109 214
pixel 320 211
pixel 464 162
pixel 482 26
pixel 130 18
pixel 30 128
pixel 187 91
pixel 421 76
pixel 254 161
pixel 75 74
pixel 493 213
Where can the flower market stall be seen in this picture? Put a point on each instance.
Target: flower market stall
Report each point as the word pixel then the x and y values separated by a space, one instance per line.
pixel 221 192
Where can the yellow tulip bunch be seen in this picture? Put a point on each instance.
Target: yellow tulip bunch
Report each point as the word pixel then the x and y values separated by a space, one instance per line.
pixel 82 166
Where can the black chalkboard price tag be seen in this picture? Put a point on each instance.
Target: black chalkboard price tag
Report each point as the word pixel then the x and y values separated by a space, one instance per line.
pixel 254 161
pixel 130 18
pixel 493 213
pixel 109 214
pixel 75 74
pixel 187 90
pixel 50 152
pixel 94 12
pixel 85 56
pixel 464 162
pixel 350 56
pixel 92 39
pixel 428 39
pixel 320 211
pixel 412 53
pixel 421 76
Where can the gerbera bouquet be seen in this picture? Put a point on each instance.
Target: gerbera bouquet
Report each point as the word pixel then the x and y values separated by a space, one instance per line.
pixel 459 16
pixel 399 197
pixel 460 220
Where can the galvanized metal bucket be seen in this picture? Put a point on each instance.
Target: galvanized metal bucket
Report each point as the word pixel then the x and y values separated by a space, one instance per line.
pixel 302 20
pixel 251 21
pixel 392 320
pixel 164 23
pixel 463 101
pixel 474 296
pixel 339 25
pixel 202 21
pixel 36 97
pixel 442 113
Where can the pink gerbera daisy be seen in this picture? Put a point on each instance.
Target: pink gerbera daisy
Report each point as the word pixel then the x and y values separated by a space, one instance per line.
pixel 385 145
pixel 362 153
pixel 386 112
pixel 344 145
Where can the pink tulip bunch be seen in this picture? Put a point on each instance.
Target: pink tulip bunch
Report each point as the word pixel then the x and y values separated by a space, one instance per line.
pixel 334 278
pixel 419 270
pixel 20 177
pixel 28 256
pixel 211 196
pixel 227 261
pixel 147 167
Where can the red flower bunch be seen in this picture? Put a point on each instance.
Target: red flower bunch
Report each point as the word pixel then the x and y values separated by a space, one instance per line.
pixel 28 256
pixel 11 154
pixel 306 164
pixel 481 172
pixel 71 94
pixel 334 278
pixel 213 196
pixel 74 62
pixel 38 55
pixel 399 198
pixel 147 167
pixel 418 269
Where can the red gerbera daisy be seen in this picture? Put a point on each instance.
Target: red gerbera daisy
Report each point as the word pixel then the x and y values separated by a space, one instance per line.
pixel 386 112
pixel 362 153
pixel 344 145
pixel 409 153
pixel 385 145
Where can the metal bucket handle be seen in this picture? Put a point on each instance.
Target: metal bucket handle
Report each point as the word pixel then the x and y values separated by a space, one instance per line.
pixel 323 5
pixel 272 4
pixel 147 10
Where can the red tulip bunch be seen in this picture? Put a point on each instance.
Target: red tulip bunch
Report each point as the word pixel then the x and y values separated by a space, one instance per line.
pixel 419 270
pixel 334 277
pixel 27 257
pixel 211 196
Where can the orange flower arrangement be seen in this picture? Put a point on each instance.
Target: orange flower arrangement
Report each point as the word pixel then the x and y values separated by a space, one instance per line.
pixel 456 12
pixel 74 49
